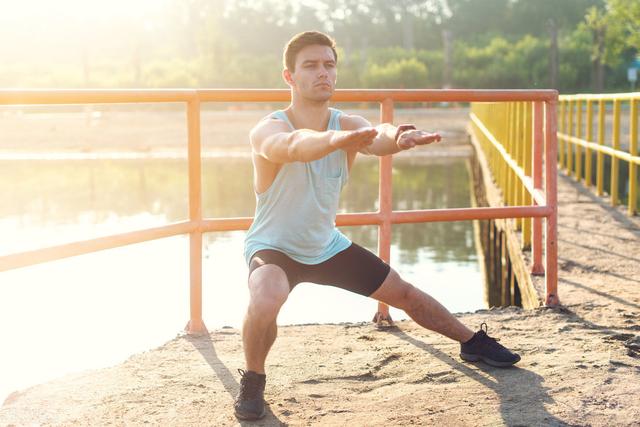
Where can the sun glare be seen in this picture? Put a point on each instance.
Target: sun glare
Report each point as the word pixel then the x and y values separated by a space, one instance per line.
pixel 40 31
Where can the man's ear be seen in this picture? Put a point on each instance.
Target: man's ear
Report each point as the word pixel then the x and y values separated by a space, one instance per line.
pixel 286 75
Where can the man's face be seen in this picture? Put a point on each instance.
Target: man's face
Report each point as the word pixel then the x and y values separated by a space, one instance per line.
pixel 315 74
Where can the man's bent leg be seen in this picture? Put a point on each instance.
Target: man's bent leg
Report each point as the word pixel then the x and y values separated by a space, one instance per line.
pixel 422 308
pixel 268 290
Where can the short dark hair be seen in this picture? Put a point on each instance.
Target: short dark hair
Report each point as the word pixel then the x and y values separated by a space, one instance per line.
pixel 302 40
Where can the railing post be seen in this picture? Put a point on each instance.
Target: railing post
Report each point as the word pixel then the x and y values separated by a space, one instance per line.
pixel 633 150
pixel 569 144
pixel 588 162
pixel 602 106
pixel 527 163
pixel 616 146
pixel 538 141
pixel 578 159
pixel 551 178
pixel 385 208
pixel 563 129
pixel 195 325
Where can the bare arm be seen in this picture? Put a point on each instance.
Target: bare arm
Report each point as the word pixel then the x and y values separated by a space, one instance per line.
pixel 273 140
pixel 392 139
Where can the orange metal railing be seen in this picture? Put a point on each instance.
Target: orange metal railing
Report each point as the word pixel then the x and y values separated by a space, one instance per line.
pixel 545 199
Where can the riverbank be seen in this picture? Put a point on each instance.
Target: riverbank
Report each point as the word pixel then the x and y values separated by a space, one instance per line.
pixel 580 366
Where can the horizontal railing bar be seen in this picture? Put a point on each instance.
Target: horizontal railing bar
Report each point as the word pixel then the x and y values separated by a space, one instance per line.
pixel 398 217
pixel 37 256
pixel 601 97
pixel 372 95
pixel 225 224
pixel 243 223
pixel 106 96
pixel 94 96
pixel 364 218
pixel 602 148
pixel 537 194
pixel 466 214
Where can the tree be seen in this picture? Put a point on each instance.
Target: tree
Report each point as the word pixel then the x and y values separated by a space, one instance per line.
pixel 596 23
pixel 624 18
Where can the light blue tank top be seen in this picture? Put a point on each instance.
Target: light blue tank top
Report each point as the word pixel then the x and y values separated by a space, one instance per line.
pixel 296 214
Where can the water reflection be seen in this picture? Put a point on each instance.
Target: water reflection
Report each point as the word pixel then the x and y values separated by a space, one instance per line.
pixel 53 193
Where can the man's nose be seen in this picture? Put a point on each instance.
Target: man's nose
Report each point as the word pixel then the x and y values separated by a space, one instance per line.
pixel 322 71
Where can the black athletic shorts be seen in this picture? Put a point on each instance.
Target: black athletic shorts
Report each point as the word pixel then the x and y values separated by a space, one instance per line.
pixel 354 269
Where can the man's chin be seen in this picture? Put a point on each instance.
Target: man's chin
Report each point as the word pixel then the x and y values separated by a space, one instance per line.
pixel 320 97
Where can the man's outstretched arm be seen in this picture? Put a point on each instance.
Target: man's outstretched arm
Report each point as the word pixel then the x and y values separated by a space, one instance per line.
pixel 392 139
pixel 273 140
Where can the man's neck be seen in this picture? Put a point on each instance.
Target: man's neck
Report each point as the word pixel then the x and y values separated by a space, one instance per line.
pixel 306 114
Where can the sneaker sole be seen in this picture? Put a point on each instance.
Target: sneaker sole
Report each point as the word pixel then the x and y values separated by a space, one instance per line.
pixel 475 358
pixel 249 417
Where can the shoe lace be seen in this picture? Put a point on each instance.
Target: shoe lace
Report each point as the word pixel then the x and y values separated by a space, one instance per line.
pixel 485 328
pixel 249 386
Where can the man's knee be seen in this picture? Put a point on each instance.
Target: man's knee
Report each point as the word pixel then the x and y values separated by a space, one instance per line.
pixel 396 292
pixel 268 289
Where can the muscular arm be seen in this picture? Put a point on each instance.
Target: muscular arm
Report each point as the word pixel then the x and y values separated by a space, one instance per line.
pixel 385 142
pixel 274 140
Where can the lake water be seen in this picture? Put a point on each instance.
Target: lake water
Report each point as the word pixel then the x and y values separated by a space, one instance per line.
pixel 95 310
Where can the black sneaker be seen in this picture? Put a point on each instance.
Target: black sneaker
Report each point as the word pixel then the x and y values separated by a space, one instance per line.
pixel 482 347
pixel 249 404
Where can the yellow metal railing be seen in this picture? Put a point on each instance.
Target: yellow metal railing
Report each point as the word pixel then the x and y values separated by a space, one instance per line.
pixel 505 133
pixel 518 140
pixel 576 140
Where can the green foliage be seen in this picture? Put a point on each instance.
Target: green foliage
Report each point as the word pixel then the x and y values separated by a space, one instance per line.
pixel 501 64
pixel 624 20
pixel 575 61
pixel 397 74
pixel 204 43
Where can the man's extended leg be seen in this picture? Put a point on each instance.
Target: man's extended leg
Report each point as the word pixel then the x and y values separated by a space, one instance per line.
pixel 422 308
pixel 429 313
pixel 268 290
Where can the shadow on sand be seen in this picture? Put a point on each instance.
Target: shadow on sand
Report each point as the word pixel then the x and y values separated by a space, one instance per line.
pixel 205 347
pixel 599 293
pixel 517 388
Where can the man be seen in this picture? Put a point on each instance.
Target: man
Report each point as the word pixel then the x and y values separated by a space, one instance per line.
pixel 301 158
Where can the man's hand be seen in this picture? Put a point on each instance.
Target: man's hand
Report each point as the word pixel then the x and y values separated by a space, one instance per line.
pixel 413 137
pixel 353 140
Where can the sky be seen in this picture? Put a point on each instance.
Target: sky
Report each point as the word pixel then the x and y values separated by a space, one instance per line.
pixel 49 29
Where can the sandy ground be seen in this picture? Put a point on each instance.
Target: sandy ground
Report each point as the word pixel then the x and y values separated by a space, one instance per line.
pixel 581 362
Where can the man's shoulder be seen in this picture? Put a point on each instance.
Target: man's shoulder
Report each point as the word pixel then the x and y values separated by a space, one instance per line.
pixel 270 123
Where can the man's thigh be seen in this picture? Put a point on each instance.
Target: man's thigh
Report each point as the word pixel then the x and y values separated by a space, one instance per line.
pixel 355 269
pixel 275 258
pixel 394 291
